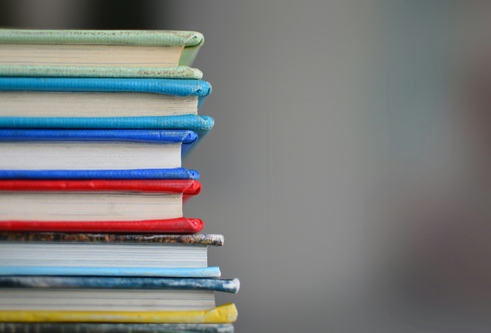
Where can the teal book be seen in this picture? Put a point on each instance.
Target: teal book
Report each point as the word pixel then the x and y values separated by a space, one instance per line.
pixel 99 53
pixel 103 103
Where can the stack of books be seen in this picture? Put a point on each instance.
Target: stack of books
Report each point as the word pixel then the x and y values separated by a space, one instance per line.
pixel 93 129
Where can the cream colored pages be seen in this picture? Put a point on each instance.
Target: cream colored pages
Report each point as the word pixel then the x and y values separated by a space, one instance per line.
pixel 89 55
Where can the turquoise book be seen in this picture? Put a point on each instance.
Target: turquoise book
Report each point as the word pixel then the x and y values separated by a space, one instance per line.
pixel 103 103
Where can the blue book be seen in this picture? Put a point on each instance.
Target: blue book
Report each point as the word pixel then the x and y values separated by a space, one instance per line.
pixel 103 103
pixel 110 293
pixel 65 282
pixel 76 154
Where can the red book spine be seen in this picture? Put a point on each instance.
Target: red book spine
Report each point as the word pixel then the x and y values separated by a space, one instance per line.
pixel 181 225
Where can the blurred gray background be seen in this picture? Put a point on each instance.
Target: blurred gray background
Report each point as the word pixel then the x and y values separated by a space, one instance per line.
pixel 339 168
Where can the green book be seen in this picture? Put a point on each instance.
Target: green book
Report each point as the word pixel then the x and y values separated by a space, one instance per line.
pixel 99 53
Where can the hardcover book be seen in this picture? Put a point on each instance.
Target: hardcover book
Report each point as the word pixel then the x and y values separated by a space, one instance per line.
pixel 99 97
pixel 107 254
pixel 37 149
pixel 97 205
pixel 110 293
pixel 99 53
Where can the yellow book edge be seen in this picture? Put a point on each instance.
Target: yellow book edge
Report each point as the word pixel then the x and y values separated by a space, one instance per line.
pixel 222 314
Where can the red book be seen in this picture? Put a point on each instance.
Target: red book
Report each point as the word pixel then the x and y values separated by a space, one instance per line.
pixel 97 205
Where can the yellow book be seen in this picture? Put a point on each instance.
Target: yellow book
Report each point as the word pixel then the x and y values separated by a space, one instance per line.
pixel 226 313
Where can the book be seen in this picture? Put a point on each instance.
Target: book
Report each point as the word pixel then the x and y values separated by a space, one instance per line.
pixel 222 314
pixel 110 293
pixel 99 53
pixel 68 205
pixel 114 328
pixel 107 254
pixel 38 149
pixel 99 97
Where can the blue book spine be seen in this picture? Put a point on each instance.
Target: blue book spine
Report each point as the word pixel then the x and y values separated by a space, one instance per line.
pixel 177 173
pixel 207 272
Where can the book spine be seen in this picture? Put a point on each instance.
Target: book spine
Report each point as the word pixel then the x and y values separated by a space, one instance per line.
pixel 181 225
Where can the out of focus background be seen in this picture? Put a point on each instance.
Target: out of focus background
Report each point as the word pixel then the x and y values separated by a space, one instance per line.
pixel 349 165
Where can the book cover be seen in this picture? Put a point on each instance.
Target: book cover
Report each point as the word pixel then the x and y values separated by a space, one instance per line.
pixel 68 282
pixel 148 136
pixel 181 88
pixel 188 272
pixel 187 187
pixel 173 173
pixel 222 314
pixel 181 225
pixel 113 328
pixel 180 72
pixel 112 238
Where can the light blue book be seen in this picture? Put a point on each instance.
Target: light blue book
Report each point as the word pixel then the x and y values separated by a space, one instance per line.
pixel 103 103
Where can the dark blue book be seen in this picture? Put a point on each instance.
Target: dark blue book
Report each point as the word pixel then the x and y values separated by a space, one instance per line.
pixel 80 154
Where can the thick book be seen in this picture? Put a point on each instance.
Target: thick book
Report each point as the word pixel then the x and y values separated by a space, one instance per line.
pixel 114 328
pixel 107 254
pixel 99 53
pixel 222 314
pixel 38 149
pixel 99 97
pixel 97 205
pixel 110 293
